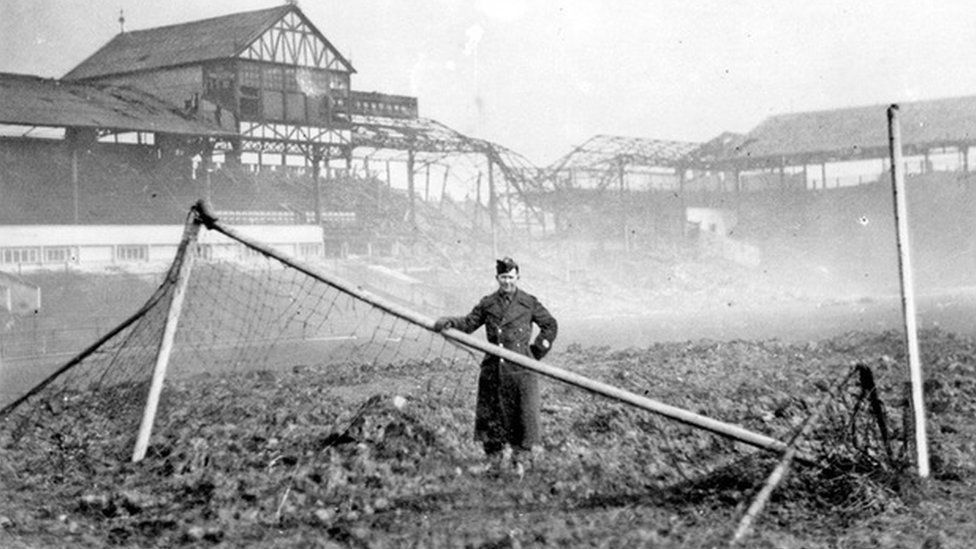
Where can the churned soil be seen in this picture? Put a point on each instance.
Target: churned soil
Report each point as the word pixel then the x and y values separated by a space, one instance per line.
pixel 316 457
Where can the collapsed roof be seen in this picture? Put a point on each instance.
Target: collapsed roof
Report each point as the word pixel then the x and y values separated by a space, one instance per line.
pixel 33 101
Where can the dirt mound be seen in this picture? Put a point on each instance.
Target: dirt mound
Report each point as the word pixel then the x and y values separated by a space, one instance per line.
pixel 282 458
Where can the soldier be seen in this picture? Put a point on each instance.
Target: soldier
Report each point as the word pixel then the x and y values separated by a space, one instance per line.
pixel 507 411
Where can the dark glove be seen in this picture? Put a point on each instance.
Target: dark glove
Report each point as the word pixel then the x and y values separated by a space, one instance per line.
pixel 539 349
pixel 443 323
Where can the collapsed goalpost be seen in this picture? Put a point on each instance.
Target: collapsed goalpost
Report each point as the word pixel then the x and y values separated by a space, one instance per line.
pixel 231 306
pixel 180 274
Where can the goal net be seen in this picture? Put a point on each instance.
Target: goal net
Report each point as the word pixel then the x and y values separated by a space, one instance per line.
pixel 267 365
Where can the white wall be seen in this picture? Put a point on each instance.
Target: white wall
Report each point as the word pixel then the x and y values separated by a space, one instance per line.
pixel 138 247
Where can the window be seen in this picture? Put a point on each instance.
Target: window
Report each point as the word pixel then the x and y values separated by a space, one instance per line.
pixel 273 79
pixel 20 255
pixel 132 252
pixel 338 81
pixel 308 250
pixel 291 80
pixel 273 105
pixel 295 108
pixel 251 75
pixel 250 101
pixel 250 254
pixel 320 81
pixel 316 110
pixel 205 251
pixel 59 254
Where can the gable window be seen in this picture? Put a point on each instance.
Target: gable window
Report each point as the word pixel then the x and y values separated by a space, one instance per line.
pixel 273 79
pixel 320 82
pixel 338 81
pixel 291 79
pixel 250 98
pixel 273 104
pixel 250 75
pixel 316 109
pixel 295 107
pixel 288 94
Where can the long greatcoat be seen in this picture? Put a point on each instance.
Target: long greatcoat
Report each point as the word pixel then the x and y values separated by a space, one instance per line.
pixel 508 395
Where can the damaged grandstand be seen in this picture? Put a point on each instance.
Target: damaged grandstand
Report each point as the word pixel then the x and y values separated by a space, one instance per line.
pixel 257 114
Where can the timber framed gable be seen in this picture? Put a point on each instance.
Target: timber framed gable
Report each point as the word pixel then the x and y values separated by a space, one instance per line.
pixel 292 89
pixel 292 40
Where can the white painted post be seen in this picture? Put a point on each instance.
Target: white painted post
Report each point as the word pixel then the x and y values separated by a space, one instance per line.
pixel 907 290
pixel 186 253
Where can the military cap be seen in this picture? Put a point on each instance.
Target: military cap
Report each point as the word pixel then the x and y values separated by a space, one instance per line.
pixel 505 265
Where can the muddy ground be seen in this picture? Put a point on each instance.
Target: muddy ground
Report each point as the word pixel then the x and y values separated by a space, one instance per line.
pixel 311 456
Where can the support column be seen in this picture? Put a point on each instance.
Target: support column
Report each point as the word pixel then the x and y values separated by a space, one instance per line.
pixel 622 209
pixel 75 191
pixel 682 201
pixel 492 207
pixel 477 203
pixel 389 185
pixel 78 141
pixel 206 163
pixel 447 170
pixel 317 186
pixel 232 158
pixel 737 174
pixel 328 188
pixel 823 175
pixel 508 197
pixel 412 206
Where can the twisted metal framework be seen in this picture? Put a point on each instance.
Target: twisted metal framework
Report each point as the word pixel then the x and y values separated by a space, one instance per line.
pixel 403 138
pixel 611 152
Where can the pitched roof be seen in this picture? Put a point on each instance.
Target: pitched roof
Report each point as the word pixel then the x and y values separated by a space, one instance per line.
pixel 861 131
pixel 185 43
pixel 34 101
pixel 720 148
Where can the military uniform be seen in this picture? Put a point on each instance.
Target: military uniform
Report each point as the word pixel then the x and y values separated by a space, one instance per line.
pixel 508 395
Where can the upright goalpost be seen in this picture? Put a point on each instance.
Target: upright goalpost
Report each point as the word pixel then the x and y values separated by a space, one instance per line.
pixel 907 290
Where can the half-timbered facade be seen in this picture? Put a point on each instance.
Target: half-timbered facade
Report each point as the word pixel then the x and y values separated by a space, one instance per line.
pixel 269 74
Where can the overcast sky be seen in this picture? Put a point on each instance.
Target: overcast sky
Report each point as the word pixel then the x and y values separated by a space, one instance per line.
pixel 542 76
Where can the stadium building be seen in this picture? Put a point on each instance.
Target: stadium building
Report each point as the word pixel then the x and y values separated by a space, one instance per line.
pixel 257 113
pixel 254 112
